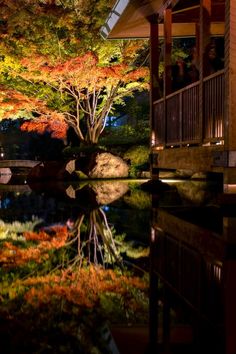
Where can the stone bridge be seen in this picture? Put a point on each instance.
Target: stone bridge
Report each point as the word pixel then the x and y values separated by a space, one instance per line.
pixel 18 163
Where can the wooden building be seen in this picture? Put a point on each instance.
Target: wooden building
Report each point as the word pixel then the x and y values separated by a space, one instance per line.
pixel 194 126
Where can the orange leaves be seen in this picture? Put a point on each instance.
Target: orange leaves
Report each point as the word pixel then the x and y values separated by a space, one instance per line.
pixel 12 102
pixel 81 72
pixel 52 123
pixel 40 68
pixel 82 287
pixel 78 88
pixel 12 256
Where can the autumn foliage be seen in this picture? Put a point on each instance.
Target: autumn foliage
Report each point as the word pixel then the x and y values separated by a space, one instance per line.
pixel 87 90
pixel 56 71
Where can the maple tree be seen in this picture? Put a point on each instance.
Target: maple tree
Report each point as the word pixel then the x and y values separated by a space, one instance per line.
pixel 71 91
pixel 73 81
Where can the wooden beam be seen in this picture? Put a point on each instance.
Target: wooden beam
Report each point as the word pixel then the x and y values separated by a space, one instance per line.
pixel 167 4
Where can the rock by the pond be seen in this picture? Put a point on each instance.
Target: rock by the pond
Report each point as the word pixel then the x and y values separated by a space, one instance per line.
pixel 92 195
pixel 103 165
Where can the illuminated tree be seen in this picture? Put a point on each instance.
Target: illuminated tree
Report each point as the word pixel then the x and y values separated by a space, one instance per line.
pixel 77 77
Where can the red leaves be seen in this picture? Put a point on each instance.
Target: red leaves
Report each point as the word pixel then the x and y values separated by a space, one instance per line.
pixel 50 124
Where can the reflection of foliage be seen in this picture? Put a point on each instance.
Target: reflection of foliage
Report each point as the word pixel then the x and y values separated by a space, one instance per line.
pixel 63 307
pixel 12 254
pixel 98 245
pixel 138 199
pixel 15 228
pixel 135 252
pixel 72 306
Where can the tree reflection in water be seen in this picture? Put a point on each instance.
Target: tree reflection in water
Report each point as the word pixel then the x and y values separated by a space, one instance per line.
pixel 61 285
pixel 97 243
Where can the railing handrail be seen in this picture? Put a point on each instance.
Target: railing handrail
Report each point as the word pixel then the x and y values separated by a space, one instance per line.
pixel 218 73
pixel 207 78
pixel 180 121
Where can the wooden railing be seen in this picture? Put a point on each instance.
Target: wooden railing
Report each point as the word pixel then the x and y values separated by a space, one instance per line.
pixel 213 99
pixel 177 119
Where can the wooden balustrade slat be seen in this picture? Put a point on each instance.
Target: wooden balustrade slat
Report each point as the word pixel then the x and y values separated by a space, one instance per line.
pixel 181 114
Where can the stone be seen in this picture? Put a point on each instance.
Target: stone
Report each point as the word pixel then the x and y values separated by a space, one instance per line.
pixel 184 173
pixel 109 191
pixel 103 165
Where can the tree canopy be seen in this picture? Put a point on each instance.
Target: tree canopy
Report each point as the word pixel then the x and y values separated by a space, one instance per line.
pixel 58 72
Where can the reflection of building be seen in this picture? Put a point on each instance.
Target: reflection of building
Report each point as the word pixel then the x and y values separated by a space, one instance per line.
pixel 194 127
pixel 195 268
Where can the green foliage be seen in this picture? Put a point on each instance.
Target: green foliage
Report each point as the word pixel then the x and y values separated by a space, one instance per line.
pixel 139 199
pixel 126 135
pixel 14 230
pixel 138 156
pixel 76 151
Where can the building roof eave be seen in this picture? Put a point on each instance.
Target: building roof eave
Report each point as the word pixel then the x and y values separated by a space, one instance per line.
pixel 131 19
pixel 113 17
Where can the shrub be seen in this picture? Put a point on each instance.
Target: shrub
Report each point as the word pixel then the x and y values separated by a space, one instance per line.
pixel 138 158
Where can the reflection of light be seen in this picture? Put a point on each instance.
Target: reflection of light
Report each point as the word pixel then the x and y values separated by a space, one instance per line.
pixel 153 138
pixel 153 235
pixel 171 180
pixel 157 148
pixel 106 208
pixel 217 272
pixel 230 188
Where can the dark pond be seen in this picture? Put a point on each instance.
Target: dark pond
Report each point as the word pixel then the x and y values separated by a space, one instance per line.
pixel 109 267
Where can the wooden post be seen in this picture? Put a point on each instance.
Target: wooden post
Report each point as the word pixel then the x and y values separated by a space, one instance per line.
pixel 230 306
pixel 167 51
pixel 230 75
pixel 197 35
pixel 154 58
pixel 205 23
pixel 154 81
pixel 230 90
pixel 167 79
pixel 154 293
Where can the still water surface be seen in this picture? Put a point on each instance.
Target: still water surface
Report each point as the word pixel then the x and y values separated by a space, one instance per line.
pixel 108 267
